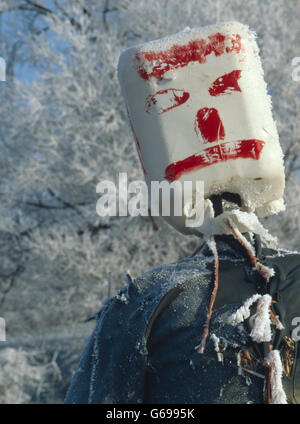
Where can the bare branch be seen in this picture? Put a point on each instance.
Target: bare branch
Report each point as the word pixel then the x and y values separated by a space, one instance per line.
pixel 105 11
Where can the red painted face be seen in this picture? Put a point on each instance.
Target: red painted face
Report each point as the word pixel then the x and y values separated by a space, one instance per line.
pixel 208 124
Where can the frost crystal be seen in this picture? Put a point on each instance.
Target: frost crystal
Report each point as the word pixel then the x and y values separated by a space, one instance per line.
pixel 261 331
pixel 273 360
pixel 244 311
pixel 261 320
pixel 122 297
pixel 264 271
pixel 216 341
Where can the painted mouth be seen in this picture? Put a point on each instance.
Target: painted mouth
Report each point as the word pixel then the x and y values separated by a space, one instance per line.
pixel 231 150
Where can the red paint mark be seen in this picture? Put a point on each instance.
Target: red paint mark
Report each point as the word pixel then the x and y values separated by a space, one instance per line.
pixel 241 149
pixel 138 146
pixel 209 123
pixel 236 44
pixel 226 84
pixel 165 100
pixel 157 63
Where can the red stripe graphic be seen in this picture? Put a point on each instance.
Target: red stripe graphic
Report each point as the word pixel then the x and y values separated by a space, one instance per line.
pixel 157 63
pixel 209 123
pixel 165 100
pixel 226 84
pixel 241 149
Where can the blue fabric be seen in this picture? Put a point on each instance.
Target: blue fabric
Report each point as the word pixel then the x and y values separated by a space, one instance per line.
pixel 143 347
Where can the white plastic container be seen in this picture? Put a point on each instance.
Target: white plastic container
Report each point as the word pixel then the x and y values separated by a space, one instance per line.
pixel 199 109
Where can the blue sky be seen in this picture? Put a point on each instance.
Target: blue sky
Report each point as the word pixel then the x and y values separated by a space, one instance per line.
pixel 25 71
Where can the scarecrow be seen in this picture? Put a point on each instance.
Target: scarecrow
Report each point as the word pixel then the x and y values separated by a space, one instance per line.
pixel 217 327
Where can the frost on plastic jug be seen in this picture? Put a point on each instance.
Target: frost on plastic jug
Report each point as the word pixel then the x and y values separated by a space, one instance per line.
pixel 199 110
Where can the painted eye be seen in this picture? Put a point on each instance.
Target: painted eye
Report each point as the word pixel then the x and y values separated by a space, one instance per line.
pixel 226 84
pixel 165 100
